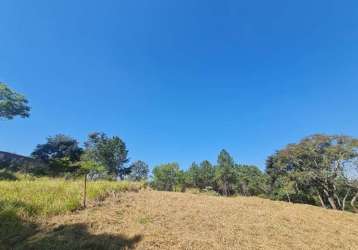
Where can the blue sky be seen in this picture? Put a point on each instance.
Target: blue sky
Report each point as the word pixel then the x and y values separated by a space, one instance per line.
pixel 180 80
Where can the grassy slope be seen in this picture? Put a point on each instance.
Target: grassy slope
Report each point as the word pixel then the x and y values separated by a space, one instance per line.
pixel 27 202
pixel 43 197
pixel 162 220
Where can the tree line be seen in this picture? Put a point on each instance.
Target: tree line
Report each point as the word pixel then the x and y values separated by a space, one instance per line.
pixel 318 170
pixel 226 177
pixel 101 157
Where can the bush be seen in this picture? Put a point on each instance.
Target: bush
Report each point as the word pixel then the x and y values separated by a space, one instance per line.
pixel 6 175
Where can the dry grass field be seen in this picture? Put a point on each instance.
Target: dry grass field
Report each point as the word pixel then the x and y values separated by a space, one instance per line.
pixel 163 220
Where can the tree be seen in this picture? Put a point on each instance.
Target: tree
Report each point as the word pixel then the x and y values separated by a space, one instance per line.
pixel 87 166
pixel 251 181
pixel 167 177
pixel 192 175
pixel 319 166
pixel 60 152
pixel 225 175
pixel 206 175
pixel 201 176
pixel 111 152
pixel 12 104
pixel 139 171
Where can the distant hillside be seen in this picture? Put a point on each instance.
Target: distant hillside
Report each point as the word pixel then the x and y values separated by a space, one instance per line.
pixel 15 162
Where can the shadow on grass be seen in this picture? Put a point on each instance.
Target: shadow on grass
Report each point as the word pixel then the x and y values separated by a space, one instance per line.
pixel 16 233
pixel 13 229
pixel 76 236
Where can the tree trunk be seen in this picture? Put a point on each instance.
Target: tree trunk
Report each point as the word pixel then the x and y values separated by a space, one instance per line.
pixel 338 201
pixel 344 200
pixel 168 187
pixel 85 193
pixel 353 201
pixel 225 189
pixel 330 199
pixel 332 203
pixel 321 200
pixel 288 197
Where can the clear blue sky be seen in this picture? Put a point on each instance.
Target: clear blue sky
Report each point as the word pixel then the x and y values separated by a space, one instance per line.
pixel 180 80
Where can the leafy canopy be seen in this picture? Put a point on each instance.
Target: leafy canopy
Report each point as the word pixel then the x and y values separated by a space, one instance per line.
pixel 87 166
pixel 12 104
pixel 319 166
pixel 167 176
pixel 225 174
pixel 201 176
pixel 111 152
pixel 61 153
pixel 139 171
pixel 58 147
pixel 251 181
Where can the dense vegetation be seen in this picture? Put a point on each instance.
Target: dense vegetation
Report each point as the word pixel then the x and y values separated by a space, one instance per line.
pixel 319 170
pixel 226 178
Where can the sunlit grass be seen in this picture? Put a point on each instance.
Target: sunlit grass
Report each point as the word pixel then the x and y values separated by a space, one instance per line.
pixel 43 197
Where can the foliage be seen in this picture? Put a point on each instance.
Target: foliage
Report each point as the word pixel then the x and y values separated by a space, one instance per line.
pixel 58 147
pixel 7 175
pixel 139 171
pixel 319 167
pixel 251 181
pixel 109 152
pixel 225 174
pixel 167 177
pixel 206 175
pixel 227 178
pixel 12 104
pixel 192 176
pixel 201 176
pixel 60 152
pixel 88 166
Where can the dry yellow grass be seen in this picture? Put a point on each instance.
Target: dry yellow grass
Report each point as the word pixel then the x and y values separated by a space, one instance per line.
pixel 162 220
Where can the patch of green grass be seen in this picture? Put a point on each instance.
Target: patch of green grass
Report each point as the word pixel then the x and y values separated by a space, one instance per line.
pixel 144 220
pixel 43 197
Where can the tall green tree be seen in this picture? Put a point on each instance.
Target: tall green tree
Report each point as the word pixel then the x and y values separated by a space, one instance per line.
pixel 167 177
pixel 200 176
pixel 111 152
pixel 12 104
pixel 192 175
pixel 206 175
pixel 225 174
pixel 251 180
pixel 319 166
pixel 139 171
pixel 60 152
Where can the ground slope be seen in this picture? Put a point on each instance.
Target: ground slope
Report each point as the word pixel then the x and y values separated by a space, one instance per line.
pixel 163 220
